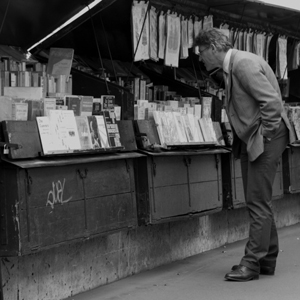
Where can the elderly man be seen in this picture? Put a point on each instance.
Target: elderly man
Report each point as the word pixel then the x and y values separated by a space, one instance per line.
pixel 261 133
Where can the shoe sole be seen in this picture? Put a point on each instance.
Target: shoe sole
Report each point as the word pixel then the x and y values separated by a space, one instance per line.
pixel 254 277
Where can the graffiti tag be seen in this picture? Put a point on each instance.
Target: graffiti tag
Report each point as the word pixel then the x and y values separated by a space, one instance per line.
pixel 56 195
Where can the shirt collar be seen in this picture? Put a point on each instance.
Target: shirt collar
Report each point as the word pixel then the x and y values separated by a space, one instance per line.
pixel 227 61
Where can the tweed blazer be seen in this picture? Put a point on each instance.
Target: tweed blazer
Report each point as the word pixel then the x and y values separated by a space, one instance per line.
pixel 253 102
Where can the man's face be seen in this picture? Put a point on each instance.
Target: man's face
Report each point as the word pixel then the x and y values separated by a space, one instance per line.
pixel 207 56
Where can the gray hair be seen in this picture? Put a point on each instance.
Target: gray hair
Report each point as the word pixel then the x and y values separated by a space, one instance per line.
pixel 213 36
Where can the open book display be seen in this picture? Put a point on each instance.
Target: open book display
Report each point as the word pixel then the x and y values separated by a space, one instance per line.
pixel 62 132
pixel 176 129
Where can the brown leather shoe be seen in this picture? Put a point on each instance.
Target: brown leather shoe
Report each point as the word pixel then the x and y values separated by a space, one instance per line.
pixel 264 270
pixel 242 273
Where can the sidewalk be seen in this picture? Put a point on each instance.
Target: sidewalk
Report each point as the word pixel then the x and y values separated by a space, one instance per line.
pixel 201 277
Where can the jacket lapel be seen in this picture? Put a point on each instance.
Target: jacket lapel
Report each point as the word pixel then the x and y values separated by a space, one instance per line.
pixel 229 85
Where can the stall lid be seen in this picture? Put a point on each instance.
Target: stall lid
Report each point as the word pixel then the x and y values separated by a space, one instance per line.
pixel 64 161
pixel 25 22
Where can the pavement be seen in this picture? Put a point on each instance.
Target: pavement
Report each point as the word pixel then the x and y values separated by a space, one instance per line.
pixel 201 277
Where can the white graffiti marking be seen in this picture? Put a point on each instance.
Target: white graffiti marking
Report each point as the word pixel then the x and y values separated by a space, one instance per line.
pixel 56 194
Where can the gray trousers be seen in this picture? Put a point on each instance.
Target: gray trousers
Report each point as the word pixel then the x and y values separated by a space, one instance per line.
pixel 258 177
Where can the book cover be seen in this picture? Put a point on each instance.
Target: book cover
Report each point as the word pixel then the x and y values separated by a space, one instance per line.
pixel 49 140
pixel 74 103
pixel 102 130
pixel 142 94
pixel 112 129
pixel 180 127
pixel 84 132
pixel 206 130
pixel 148 128
pixel 86 105
pixel 34 109
pixel 206 105
pixel 219 134
pixel 172 128
pixel 47 105
pixel 158 124
pixel 189 130
pixel 97 106
pixel 60 61
pixel 136 88
pixel 93 128
pixel 108 101
pixel 65 127
pixel 19 111
pixel 5 108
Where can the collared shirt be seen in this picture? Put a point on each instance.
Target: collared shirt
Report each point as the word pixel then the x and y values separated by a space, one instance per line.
pixel 227 61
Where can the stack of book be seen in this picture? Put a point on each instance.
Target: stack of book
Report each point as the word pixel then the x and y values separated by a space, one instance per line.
pixel 180 122
pixel 293 113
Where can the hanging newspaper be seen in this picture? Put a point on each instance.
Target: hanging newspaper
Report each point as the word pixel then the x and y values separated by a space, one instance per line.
pixel 153 34
pixel 162 35
pixel 140 30
pixel 173 40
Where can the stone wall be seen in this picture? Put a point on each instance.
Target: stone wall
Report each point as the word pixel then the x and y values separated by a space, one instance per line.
pixel 71 269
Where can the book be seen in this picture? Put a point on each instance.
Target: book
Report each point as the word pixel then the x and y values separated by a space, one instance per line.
pixel 172 128
pixel 5 108
pixel 219 134
pixel 34 93
pixel 102 131
pixel 112 129
pixel 117 110
pixel 47 105
pixel 86 105
pixel 49 140
pixel 84 132
pixel 93 128
pixel 158 124
pixel 97 106
pixel 148 128
pixel 179 122
pixel 53 133
pixel 142 94
pixel 206 104
pixel 19 111
pixel 60 61
pixel 65 127
pixel 189 128
pixel 74 103
pixel 34 109
pixel 206 130
pixel 108 101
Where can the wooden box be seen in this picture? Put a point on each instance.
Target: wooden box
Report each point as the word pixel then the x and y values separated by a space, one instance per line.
pixel 291 170
pixel 176 185
pixel 45 203
pixel 238 198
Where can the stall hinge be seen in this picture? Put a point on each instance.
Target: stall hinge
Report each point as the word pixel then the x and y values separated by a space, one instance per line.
pixel 28 182
pixel 153 167
pixel 187 161
pixel 82 173
pixel 217 161
pixel 127 165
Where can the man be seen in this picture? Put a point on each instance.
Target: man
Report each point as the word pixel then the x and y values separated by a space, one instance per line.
pixel 261 133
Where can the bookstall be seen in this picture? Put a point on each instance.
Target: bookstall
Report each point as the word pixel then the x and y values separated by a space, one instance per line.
pixel 163 156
